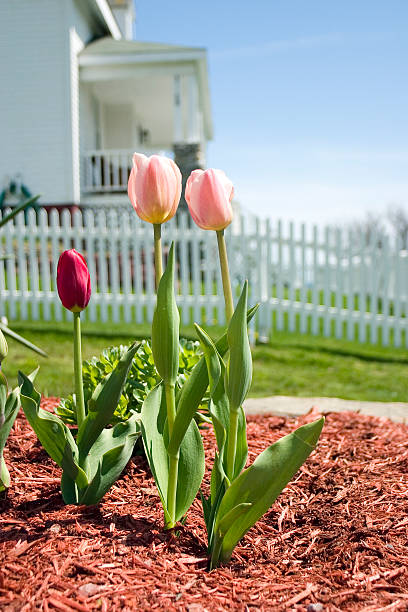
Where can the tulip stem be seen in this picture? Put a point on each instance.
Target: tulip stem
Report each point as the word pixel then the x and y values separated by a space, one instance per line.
pixel 225 275
pixel 232 443
pixel 79 387
pixel 173 459
pixel 158 258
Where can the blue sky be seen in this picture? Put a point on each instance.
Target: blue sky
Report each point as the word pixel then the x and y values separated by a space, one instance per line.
pixel 309 99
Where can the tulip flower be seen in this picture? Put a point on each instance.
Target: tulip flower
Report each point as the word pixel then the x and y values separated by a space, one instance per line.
pixel 209 194
pixel 74 290
pixel 154 187
pixel 154 190
pixel 73 281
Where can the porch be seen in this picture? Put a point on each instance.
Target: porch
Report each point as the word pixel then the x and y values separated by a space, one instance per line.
pixel 138 97
pixel 107 171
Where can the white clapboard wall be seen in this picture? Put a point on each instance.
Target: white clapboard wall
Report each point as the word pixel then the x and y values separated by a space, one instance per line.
pixel 329 281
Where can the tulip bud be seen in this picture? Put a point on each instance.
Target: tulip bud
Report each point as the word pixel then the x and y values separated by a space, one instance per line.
pixel 73 281
pixel 208 195
pixel 154 187
pixel 3 347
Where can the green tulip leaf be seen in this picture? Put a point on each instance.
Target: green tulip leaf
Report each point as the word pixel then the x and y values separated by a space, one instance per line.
pixel 239 368
pixel 8 416
pixel 191 456
pixel 194 389
pixel 9 407
pixel 4 475
pixel 231 516
pixel 220 416
pixel 52 433
pixel 111 453
pixel 220 412
pixel 259 486
pixel 190 470
pixel 103 403
pixel 71 468
pixel 69 489
pixel 153 423
pixel 212 504
pixel 12 334
pixel 3 396
pixel 211 356
pixel 165 327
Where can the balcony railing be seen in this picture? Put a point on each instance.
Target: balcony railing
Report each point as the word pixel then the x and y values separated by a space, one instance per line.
pixel 107 171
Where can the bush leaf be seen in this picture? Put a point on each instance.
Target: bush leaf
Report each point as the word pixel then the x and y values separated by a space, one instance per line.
pixel 103 402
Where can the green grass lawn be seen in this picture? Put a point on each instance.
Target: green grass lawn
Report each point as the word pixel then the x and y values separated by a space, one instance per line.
pixel 291 364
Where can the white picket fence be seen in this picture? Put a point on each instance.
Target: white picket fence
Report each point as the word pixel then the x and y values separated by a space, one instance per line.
pixel 328 281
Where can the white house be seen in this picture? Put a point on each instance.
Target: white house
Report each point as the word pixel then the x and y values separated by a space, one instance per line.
pixel 78 96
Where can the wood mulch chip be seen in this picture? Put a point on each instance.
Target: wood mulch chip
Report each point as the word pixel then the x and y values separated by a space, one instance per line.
pixel 336 539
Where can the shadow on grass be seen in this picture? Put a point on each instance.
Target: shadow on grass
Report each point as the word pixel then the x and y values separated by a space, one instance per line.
pixel 344 352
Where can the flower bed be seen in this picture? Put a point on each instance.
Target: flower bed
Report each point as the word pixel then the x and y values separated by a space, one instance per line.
pixel 336 539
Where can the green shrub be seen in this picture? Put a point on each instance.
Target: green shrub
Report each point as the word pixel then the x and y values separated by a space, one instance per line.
pixel 141 379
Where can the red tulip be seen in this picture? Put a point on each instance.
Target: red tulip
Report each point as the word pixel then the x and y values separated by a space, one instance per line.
pixel 73 281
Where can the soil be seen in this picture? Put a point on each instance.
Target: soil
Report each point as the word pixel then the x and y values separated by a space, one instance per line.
pixel 336 539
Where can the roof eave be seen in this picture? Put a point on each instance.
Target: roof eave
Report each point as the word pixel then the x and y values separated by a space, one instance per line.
pixel 109 19
pixel 110 59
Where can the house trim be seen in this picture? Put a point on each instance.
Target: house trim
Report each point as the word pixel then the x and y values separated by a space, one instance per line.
pixel 105 11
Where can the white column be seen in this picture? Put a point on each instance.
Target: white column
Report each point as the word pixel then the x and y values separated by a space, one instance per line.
pixel 76 45
pixel 177 110
pixel 193 110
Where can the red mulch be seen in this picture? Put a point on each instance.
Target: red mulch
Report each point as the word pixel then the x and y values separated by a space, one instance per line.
pixel 335 540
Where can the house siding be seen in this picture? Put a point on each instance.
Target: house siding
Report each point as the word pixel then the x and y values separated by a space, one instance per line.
pixel 38 104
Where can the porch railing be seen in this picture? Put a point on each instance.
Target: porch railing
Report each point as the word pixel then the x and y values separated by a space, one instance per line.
pixel 107 170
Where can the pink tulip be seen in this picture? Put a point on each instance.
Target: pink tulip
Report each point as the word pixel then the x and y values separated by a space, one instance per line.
pixel 208 195
pixel 154 187
pixel 73 281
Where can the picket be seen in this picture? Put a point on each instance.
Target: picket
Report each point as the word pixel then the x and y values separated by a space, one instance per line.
pixel 137 275
pixel 125 267
pixel 54 233
pixel 44 264
pixel 33 261
pixel 330 282
pixel 102 265
pixel 374 289
pixel 396 292
pixel 266 313
pixel 385 293
pixel 279 280
pixel 11 272
pixel 339 288
pixel 301 280
pixel 89 219
pixel 315 286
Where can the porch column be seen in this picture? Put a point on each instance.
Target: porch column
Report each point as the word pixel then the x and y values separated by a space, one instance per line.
pixel 177 110
pixel 193 110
